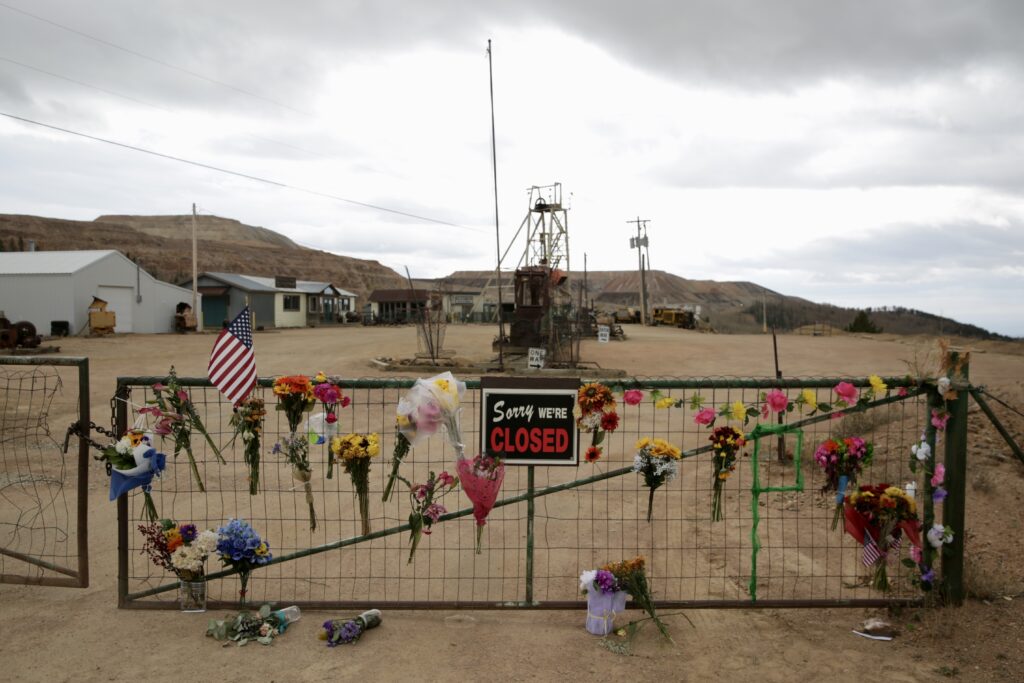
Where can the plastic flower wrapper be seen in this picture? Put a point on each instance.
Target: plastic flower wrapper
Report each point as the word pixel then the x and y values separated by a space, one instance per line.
pixel 295 396
pixel 348 631
pixel 726 443
pixel 177 417
pixel 133 463
pixel 248 423
pixel 595 412
pixel 605 599
pixel 658 462
pixel 355 451
pixel 481 479
pixel 842 460
pixel 425 508
pixel 429 404
pixel 320 431
pixel 241 548
pixel 631 577
pixel 877 516
pixel 261 627
pixel 296 451
pixel 329 393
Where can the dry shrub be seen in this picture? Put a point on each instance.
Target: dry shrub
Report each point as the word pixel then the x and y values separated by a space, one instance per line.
pixel 861 423
pixel 985 578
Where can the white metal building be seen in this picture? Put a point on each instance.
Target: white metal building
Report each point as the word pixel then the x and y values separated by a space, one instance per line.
pixel 47 286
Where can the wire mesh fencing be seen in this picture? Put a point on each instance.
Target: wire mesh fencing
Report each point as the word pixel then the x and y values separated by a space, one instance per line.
pixel 43 485
pixel 774 548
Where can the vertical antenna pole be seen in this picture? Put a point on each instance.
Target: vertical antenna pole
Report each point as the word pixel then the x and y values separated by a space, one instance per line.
pixel 497 232
pixel 195 275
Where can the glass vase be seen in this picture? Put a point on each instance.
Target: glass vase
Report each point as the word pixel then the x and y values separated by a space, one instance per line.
pixel 192 595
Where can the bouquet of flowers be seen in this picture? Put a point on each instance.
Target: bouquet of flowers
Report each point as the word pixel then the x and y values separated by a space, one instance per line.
pixel 355 451
pixel 842 460
pixel 428 405
pixel 595 413
pixel 294 396
pixel 241 548
pixel 658 461
pixel 347 631
pixel 726 443
pixel 261 627
pixel 877 515
pixel 179 548
pixel 329 393
pixel 296 451
pixel 605 599
pixel 425 509
pixel 177 417
pixel 133 463
pixel 481 479
pixel 182 549
pixel 248 423
pixel 631 577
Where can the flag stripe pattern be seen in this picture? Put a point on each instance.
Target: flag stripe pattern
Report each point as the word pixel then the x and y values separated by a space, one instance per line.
pixel 232 367
pixel 871 552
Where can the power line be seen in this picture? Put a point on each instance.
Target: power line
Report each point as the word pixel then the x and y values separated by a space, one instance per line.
pixel 162 63
pixel 237 173
pixel 150 104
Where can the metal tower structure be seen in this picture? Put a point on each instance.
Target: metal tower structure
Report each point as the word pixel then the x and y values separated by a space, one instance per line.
pixel 546 226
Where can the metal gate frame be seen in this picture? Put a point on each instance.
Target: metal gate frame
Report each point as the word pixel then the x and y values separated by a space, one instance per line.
pixel 79 577
pixel 953 508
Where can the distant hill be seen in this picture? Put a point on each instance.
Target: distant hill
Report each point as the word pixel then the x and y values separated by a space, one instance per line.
pixel 735 307
pixel 163 246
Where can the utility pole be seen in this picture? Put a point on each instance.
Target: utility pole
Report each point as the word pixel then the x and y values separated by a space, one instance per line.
pixel 195 271
pixel 497 231
pixel 639 243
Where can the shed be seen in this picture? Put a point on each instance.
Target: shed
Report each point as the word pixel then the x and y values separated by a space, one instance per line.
pixel 397 305
pixel 274 302
pixel 55 286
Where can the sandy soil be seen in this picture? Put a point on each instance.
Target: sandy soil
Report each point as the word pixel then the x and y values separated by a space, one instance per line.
pixel 56 634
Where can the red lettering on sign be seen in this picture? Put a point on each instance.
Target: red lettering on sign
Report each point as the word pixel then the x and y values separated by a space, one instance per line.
pixel 547 441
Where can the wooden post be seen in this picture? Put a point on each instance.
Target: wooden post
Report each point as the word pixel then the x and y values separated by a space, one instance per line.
pixel 953 507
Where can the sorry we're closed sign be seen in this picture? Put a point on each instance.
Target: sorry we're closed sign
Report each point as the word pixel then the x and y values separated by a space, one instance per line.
pixel 529 421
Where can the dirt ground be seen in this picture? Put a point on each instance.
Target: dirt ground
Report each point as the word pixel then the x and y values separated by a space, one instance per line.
pixel 60 634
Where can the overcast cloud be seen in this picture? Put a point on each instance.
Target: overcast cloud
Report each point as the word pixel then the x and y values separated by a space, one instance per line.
pixel 862 153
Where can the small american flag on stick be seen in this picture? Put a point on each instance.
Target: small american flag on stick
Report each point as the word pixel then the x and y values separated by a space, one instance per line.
pixel 872 553
pixel 232 367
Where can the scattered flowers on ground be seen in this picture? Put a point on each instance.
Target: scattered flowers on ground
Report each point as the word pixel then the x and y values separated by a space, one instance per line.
pixel 261 627
pixel 348 631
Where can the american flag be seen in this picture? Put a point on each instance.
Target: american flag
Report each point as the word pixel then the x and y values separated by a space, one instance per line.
pixel 871 552
pixel 232 367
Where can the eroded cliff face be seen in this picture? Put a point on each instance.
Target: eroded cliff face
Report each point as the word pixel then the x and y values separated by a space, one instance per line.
pixel 163 246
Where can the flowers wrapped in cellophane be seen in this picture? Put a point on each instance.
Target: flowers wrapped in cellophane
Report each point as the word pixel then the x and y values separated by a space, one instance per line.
pixel 726 443
pixel 481 479
pixel 348 631
pixel 877 516
pixel 842 460
pixel 295 449
pixel 605 599
pixel 133 463
pixel 294 397
pixel 428 405
pixel 248 423
pixel 241 548
pixel 595 413
pixel 355 451
pixel 425 506
pixel 658 461
pixel 176 417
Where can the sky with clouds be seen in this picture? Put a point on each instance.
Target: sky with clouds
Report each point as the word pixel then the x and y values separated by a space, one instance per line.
pixel 860 153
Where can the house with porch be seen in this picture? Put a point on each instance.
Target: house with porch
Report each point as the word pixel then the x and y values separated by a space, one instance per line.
pixel 278 302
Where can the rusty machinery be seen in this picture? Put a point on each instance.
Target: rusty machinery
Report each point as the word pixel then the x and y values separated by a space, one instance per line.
pixel 544 314
pixel 21 334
